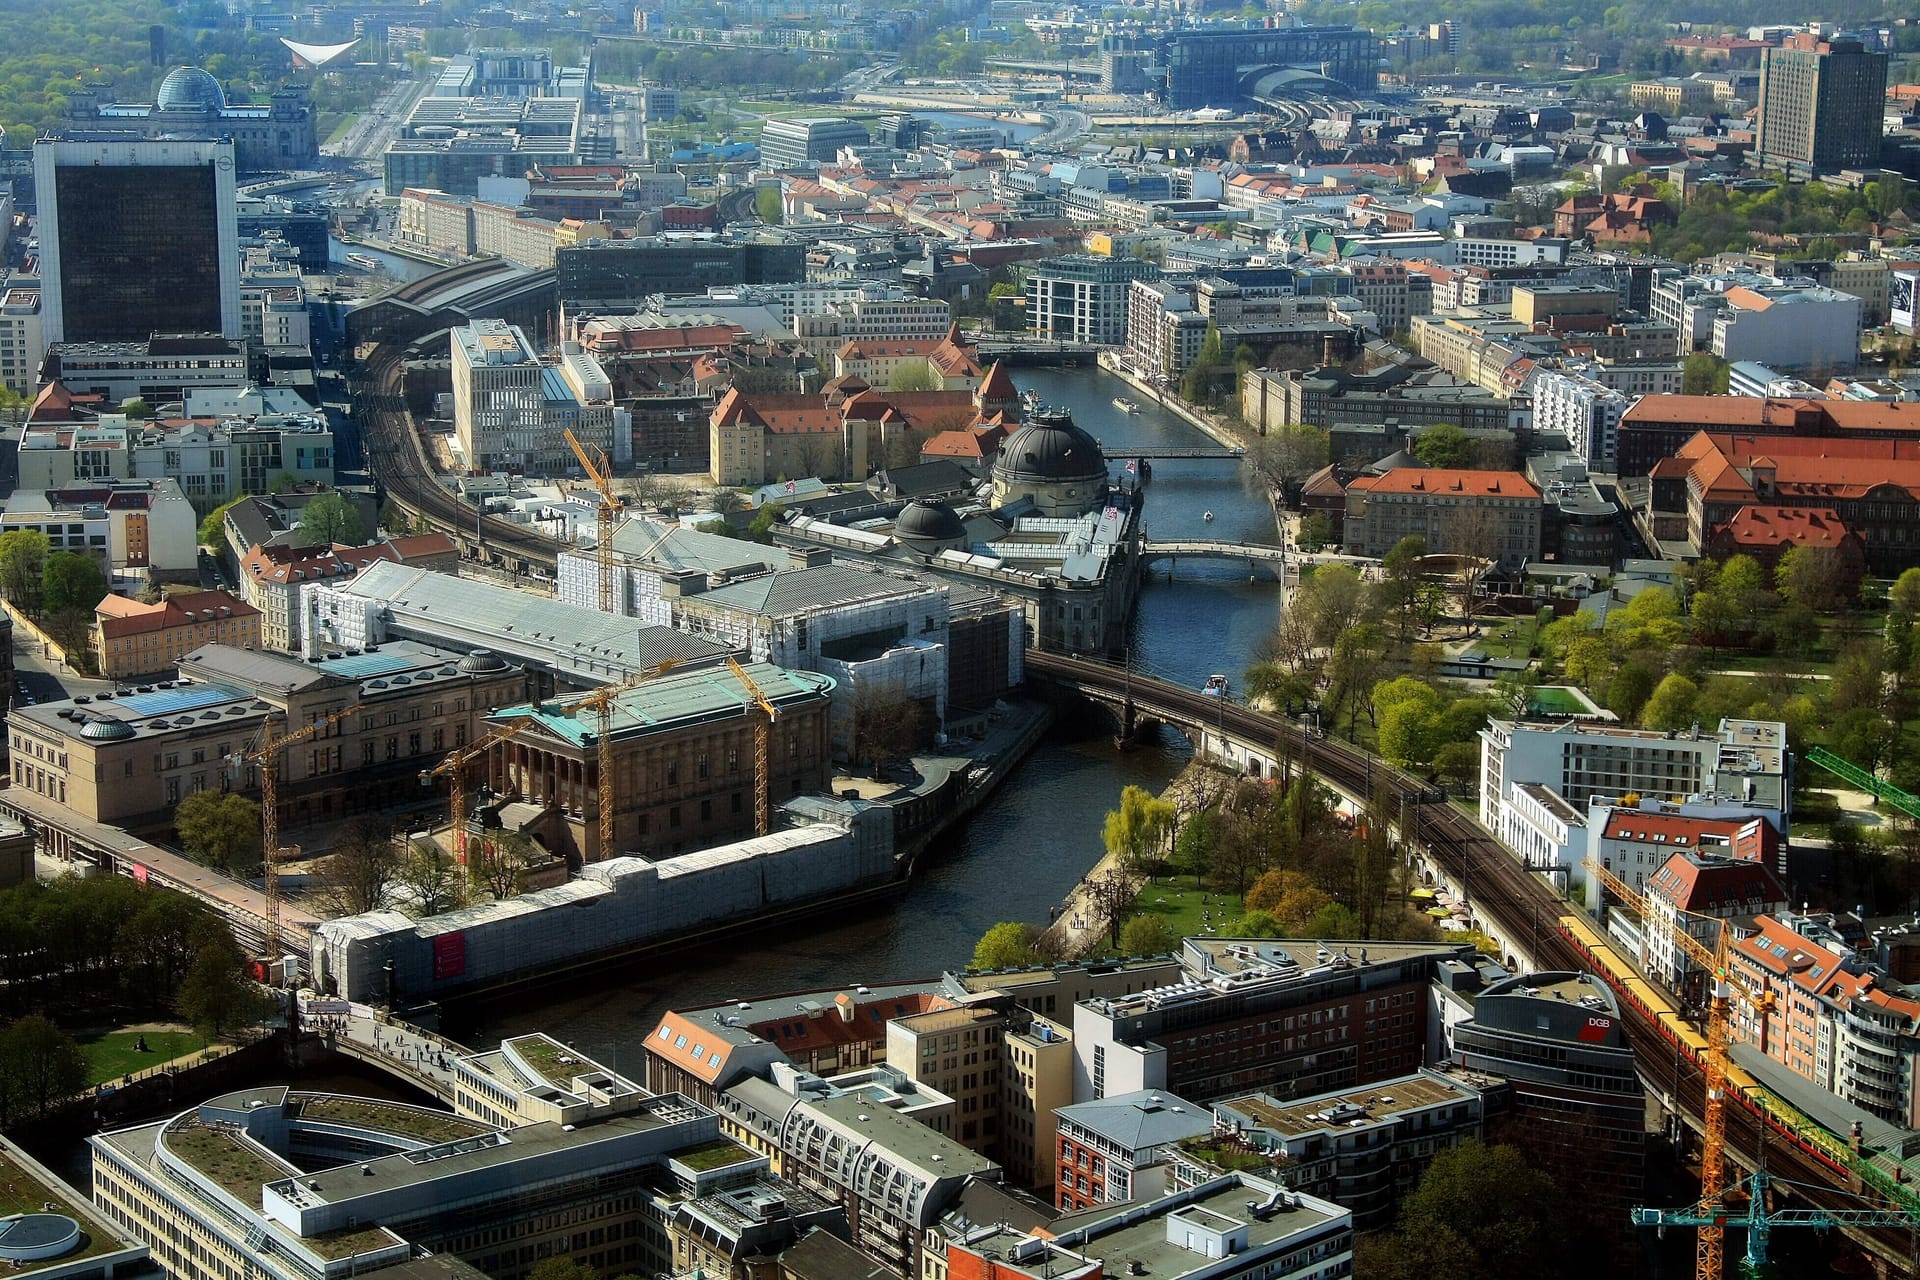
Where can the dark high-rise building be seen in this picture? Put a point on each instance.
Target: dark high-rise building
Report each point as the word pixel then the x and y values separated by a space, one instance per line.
pixel 1577 1103
pixel 157 45
pixel 137 237
pixel 1227 67
pixel 1821 103
pixel 629 271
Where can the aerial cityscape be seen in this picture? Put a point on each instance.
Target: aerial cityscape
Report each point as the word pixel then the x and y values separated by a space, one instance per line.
pixel 681 640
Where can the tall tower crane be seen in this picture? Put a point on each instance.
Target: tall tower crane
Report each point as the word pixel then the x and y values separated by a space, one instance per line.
pixel 1760 1223
pixel 266 754
pixel 762 750
pixel 594 462
pixel 600 700
pixel 1711 1211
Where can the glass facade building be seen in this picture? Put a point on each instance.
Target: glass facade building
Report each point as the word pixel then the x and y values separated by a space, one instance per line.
pixel 1217 68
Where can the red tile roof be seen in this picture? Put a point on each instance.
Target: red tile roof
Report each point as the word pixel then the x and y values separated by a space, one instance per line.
pixel 1711 886
pixel 119 617
pixel 1766 526
pixel 1436 480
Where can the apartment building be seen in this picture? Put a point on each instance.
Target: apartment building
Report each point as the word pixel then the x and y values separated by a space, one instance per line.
pixel 1657 427
pixel 1081 298
pixel 1114 1149
pixel 1494 514
pixel 212 458
pixel 274 579
pixel 23 337
pixel 1585 411
pixel 146 526
pixel 1392 394
pixel 1821 105
pixel 136 639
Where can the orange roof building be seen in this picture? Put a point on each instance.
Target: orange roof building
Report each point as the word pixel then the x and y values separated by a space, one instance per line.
pixel 1496 514
pixel 1654 427
pixel 136 639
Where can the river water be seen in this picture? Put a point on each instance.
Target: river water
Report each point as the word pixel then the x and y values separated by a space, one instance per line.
pixel 1033 841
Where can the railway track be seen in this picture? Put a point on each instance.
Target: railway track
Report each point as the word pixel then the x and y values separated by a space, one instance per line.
pixel 1515 903
pixel 398 460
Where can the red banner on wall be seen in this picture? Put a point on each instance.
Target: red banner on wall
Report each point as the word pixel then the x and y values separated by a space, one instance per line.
pixel 449 956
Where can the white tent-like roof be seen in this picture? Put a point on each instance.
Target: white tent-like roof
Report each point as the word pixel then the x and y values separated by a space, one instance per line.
pixel 318 56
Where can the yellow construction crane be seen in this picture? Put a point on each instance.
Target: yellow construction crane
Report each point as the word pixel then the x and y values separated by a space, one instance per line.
pixel 595 464
pixel 266 754
pixel 762 751
pixel 1709 1245
pixel 600 700
pixel 455 767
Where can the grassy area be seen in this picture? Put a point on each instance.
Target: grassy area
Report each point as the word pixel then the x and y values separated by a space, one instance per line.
pixel 1553 700
pixel 238 1168
pixel 550 1058
pixel 112 1056
pixel 713 1155
pixel 21 1192
pixel 1772 663
pixel 1182 906
pixel 414 1122
pixel 332 126
pixel 1506 637
pixel 345 1244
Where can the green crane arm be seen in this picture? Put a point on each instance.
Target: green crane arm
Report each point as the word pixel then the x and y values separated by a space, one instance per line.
pixel 1760 1223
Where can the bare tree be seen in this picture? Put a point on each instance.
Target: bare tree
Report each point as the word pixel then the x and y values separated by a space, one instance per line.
pixel 357 874
pixel 886 727
pixel 430 879
pixel 496 861
pixel 1110 898
pixel 1286 456
pixel 903 447
pixel 643 490
pixel 1473 533
pixel 723 501
pixel 818 456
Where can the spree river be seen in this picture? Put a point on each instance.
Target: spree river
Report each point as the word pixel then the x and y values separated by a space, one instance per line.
pixel 1039 834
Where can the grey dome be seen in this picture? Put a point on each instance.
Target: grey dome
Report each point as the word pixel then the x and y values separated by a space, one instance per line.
pixel 929 521
pixel 482 660
pixel 106 730
pixel 1051 448
pixel 190 89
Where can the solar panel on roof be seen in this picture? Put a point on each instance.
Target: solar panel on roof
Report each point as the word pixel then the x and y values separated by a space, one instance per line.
pixel 186 698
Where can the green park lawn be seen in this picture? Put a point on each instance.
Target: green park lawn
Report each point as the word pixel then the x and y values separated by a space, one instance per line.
pixel 1550 700
pixel 1506 637
pixel 112 1055
pixel 1181 906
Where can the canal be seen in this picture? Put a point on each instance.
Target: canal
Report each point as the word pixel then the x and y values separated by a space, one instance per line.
pixel 1021 854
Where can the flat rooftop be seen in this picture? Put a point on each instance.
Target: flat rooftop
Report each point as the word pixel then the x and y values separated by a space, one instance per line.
pixel 1143 1239
pixel 1374 1103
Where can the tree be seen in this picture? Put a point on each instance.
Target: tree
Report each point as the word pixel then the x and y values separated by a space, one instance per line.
pixel 1819 579
pixel 1402 584
pixel 73 580
pixel 1136 832
pixel 1458 765
pixel 563 1268
pixel 1331 602
pixel 1478 1211
pixel 1315 531
pixel 1671 706
pixel 914 375
pixel 497 860
pixel 221 828
pixel 430 879
pixel 1110 898
pixel 155 946
pixel 1472 533
pixel 1193 847
pixel 760 528
pixel 1287 455
pixel 1289 897
pixel 40 1067
pixel 1407 711
pixel 767 203
pixel 1705 374
pixel 358 871
pixel 1148 935
pixel 1008 945
pixel 216 995
pixel 887 728
pixel 330 520
pixel 1443 445
pixel 23 562
pixel 213 529
pixel 136 408
pixel 724 501
pixel 1904 594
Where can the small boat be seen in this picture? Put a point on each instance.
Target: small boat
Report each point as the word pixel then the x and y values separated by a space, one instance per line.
pixel 364 261
pixel 1030 400
pixel 1207 516
pixel 1125 405
pixel 1216 686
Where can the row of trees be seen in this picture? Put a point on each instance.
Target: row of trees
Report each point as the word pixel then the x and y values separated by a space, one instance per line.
pixel 106 942
pixel 369 869
pixel 57 588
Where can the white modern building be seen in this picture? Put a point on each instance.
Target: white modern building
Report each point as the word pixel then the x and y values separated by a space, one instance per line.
pixel 23 336
pixel 143 525
pixel 512 412
pixel 1582 409
pixel 1801 329
pixel 211 461
pixel 137 236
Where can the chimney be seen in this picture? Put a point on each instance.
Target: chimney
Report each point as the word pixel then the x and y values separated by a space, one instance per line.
pixel 688 582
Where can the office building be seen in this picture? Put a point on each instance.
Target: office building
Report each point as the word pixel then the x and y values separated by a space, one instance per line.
pixel 279 134
pixel 291 1185
pixel 64 1236
pixel 1575 1101
pixel 1364 1147
pixel 1232 1227
pixel 137 238
pixel 512 412
pixel 1746 762
pixel 1082 298
pixel 146 526
pixel 496 73
pixel 159 369
pixel 128 760
pixel 1654 428
pixel 1304 1017
pixel 1493 514
pixel 1821 105
pixel 212 459
pixel 23 336
pixel 1226 67
pixel 1112 1150
pixel 449 144
pixel 808 140
pixel 628 272
pixel 1393 395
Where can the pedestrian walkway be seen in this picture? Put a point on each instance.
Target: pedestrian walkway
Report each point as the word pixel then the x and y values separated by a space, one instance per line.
pixel 362 1032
